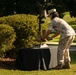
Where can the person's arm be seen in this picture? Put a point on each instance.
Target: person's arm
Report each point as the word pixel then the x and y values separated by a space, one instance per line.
pixel 55 35
pixel 45 35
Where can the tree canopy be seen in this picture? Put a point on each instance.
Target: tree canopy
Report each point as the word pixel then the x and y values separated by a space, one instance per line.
pixel 9 7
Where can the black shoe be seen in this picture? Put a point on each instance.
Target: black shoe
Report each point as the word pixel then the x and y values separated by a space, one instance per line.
pixel 67 65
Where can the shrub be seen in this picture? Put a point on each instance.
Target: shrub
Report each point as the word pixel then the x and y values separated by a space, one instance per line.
pixel 25 26
pixel 7 37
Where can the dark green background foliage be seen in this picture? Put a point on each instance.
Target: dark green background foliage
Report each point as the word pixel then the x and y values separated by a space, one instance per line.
pixel 9 7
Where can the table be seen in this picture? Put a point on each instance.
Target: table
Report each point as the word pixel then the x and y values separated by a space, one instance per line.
pixel 33 59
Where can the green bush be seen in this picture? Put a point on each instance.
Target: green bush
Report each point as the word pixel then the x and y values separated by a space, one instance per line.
pixel 25 26
pixel 7 37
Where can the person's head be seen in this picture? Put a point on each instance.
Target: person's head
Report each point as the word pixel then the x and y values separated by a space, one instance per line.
pixel 53 13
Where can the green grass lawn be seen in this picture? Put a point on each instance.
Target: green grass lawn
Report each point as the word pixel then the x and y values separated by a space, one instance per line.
pixel 71 71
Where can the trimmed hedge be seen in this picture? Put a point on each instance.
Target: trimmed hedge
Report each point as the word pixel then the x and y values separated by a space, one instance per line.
pixel 25 26
pixel 26 29
pixel 7 37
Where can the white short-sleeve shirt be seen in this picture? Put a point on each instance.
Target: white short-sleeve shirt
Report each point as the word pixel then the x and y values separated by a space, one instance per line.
pixel 62 26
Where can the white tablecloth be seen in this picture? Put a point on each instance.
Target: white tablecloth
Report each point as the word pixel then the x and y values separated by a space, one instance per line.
pixel 53 50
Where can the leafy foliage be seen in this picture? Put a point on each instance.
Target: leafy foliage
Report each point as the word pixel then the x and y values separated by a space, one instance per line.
pixel 10 7
pixel 7 37
pixel 26 28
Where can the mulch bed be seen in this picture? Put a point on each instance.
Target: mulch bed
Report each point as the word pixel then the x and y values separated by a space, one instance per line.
pixel 7 63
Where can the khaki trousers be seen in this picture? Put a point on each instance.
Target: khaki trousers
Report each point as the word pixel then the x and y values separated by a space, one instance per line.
pixel 63 50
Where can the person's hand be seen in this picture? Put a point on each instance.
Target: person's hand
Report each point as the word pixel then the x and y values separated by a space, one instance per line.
pixel 43 40
pixel 49 38
pixel 38 39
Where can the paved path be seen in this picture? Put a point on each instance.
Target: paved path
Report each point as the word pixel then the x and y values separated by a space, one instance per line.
pixel 72 48
pixel 54 45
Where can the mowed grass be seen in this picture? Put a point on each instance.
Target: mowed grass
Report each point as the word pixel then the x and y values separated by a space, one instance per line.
pixel 71 71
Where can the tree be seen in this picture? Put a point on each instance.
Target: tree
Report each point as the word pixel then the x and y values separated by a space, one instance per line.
pixel 10 7
pixel 72 7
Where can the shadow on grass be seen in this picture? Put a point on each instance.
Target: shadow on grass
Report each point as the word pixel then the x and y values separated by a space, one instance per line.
pixel 73 57
pixel 72 22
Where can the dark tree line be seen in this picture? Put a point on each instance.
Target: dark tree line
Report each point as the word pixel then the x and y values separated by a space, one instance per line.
pixel 9 7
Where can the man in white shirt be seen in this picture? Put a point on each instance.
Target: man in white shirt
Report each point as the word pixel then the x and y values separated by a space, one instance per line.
pixel 67 35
